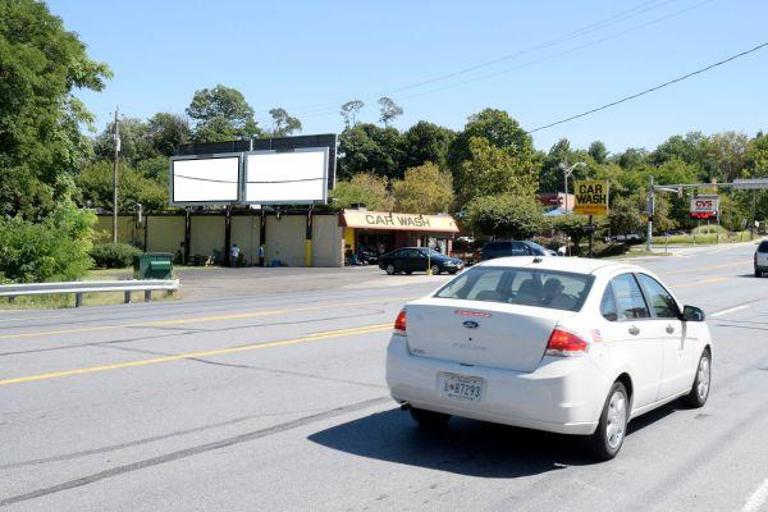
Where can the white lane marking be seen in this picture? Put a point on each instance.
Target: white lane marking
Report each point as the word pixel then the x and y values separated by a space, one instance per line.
pixel 757 499
pixel 729 310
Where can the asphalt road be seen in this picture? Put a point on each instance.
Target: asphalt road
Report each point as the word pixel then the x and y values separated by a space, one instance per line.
pixel 276 401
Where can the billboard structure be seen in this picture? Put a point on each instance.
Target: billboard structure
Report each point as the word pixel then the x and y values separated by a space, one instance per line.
pixel 297 177
pixel 287 170
pixel 203 180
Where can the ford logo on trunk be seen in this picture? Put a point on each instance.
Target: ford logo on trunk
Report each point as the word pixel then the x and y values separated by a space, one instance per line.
pixel 470 324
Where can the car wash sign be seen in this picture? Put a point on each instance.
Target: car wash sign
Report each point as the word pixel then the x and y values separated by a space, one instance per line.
pixel 591 197
pixel 705 207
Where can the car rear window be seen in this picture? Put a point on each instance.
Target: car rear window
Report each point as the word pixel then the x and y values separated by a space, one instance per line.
pixel 496 246
pixel 522 286
pixel 763 247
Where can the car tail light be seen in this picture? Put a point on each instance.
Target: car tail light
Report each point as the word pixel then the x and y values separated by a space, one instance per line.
pixel 400 323
pixel 564 344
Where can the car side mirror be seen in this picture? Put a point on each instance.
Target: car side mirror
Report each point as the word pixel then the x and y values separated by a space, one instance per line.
pixel 692 314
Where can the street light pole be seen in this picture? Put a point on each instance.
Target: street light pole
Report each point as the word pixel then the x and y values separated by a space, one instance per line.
pixel 567 171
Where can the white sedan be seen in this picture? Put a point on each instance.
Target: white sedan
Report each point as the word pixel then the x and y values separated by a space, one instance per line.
pixel 567 345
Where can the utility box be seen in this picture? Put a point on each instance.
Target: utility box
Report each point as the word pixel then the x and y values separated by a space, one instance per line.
pixel 154 265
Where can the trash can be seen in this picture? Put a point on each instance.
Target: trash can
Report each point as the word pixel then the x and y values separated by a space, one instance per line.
pixel 154 265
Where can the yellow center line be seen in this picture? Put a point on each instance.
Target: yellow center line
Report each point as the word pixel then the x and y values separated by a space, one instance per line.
pixel 191 355
pixel 194 320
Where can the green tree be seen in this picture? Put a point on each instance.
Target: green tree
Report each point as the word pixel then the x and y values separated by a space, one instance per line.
pixel 363 188
pixel 283 124
pixel 221 114
pixel 370 148
pixel 135 144
pixel 724 156
pixel 425 189
pixel 41 66
pixel 166 132
pixel 505 216
pixel 426 142
pixel 574 226
pixel 388 110
pixel 757 156
pixel 500 130
pixel 632 158
pixel 95 183
pixel 55 248
pixel 551 176
pixel 686 148
pixel 624 216
pixel 349 111
pixel 490 171
pixel 598 152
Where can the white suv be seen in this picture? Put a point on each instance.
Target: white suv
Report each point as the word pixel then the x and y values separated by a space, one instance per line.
pixel 567 345
pixel 761 258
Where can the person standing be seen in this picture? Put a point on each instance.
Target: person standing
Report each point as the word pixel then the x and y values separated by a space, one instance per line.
pixel 261 255
pixel 234 252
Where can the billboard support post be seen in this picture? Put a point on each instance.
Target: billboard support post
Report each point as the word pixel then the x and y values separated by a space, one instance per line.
pixel 187 235
pixel 228 237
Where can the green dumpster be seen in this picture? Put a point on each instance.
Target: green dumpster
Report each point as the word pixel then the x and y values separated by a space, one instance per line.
pixel 154 265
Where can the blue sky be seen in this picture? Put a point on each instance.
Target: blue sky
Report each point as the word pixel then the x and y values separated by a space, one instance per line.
pixel 555 58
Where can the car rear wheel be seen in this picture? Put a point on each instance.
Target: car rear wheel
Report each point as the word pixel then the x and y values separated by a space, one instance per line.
pixel 758 273
pixel 391 270
pixel 429 419
pixel 608 439
pixel 701 384
pixel 435 270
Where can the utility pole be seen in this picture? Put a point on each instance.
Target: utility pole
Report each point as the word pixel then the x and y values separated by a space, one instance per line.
pixel 116 140
pixel 651 208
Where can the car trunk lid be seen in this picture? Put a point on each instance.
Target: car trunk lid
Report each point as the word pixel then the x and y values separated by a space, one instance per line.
pixel 499 335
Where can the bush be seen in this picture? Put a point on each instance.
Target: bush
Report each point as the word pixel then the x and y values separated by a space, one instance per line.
pixel 709 230
pixel 55 249
pixel 113 255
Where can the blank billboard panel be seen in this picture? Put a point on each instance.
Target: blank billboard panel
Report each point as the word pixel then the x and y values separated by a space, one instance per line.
pixel 295 177
pixel 205 180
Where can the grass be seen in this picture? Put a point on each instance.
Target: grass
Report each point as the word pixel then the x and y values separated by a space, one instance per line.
pixel 705 238
pixel 58 301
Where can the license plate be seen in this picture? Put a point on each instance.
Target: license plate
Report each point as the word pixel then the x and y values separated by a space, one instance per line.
pixel 462 387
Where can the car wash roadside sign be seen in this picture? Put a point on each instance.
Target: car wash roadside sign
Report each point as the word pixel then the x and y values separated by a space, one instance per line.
pixel 591 197
pixel 705 207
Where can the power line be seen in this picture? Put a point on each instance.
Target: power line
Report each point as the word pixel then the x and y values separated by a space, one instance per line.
pixel 652 89
pixel 637 10
pixel 634 28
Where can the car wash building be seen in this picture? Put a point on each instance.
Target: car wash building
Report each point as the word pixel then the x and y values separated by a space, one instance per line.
pixel 385 231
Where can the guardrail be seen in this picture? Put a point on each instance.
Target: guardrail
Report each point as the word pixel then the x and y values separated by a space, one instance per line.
pixel 79 288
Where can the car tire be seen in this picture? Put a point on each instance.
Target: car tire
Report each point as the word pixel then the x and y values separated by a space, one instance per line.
pixel 409 272
pixel 611 430
pixel 758 273
pixel 453 272
pixel 701 384
pixel 436 270
pixel 429 420
pixel 391 269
